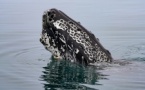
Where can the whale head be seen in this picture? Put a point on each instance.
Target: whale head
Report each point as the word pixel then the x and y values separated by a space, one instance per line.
pixel 68 39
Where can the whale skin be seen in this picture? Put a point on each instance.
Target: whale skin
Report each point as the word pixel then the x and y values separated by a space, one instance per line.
pixel 67 39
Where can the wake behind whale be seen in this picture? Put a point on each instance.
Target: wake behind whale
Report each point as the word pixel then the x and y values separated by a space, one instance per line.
pixel 67 39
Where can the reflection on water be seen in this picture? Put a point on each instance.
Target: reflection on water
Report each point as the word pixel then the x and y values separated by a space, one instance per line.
pixel 67 75
pixel 119 24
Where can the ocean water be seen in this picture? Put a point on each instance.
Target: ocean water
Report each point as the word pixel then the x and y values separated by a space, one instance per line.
pixel 26 65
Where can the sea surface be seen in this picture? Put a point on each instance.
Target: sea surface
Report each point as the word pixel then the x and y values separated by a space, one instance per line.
pixel 26 65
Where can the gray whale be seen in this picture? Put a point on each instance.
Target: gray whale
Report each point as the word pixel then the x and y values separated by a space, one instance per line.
pixel 68 39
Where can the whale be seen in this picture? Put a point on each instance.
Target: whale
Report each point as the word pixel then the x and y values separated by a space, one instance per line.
pixel 67 39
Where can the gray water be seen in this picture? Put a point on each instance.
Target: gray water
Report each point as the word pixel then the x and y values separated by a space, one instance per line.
pixel 26 65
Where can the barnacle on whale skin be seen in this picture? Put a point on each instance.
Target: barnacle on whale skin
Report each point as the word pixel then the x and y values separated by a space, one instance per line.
pixel 64 37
